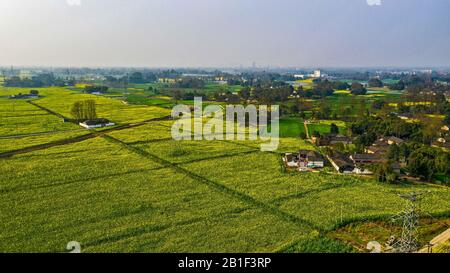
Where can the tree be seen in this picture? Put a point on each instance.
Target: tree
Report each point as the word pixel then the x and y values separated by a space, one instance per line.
pixel 334 129
pixel 84 110
pixel 421 163
pixel 136 77
pixel 77 111
pixel 375 82
pixel 378 104
pixel 34 92
pixel 90 109
pixel 358 89
pixel 447 117
pixel 397 86
pixel 324 110
pixel 394 152
pixel 384 173
pixel 294 108
pixel 245 93
pixel 92 89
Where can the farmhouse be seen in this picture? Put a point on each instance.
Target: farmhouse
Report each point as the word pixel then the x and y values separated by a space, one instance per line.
pixel 405 116
pixel 341 163
pixel 310 159
pixel 25 96
pixel 366 158
pixel 304 159
pixel 291 160
pixel 381 146
pixel 96 123
pixel 442 142
pixel 331 140
pixel 394 140
pixel 377 149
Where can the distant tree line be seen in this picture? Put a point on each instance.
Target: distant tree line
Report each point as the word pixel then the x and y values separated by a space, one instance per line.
pixel 96 88
pixel 42 80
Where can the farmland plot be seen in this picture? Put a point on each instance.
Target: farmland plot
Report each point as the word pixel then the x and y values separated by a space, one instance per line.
pixel 116 201
pixel 324 200
pixel 111 109
pixel 17 117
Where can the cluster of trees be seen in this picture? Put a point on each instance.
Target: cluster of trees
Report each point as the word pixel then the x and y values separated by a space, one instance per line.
pixel 368 128
pixel 95 88
pixel 135 78
pixel 384 172
pixel 41 80
pixel 447 116
pixel 422 160
pixel 358 89
pixel 228 97
pixel 138 77
pixel 375 82
pixel 84 110
pixel 260 94
pixel 185 95
pixel 189 82
pixel 400 85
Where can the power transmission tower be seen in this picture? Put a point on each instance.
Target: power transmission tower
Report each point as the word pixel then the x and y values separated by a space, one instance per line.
pixel 409 218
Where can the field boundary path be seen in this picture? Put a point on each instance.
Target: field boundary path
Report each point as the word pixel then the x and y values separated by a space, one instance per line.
pixel 42 134
pixel 48 110
pixel 305 123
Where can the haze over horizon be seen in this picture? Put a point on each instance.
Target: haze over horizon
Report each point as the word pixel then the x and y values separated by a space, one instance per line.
pixel 225 33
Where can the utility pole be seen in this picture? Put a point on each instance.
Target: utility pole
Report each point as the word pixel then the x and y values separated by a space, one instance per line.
pixel 410 221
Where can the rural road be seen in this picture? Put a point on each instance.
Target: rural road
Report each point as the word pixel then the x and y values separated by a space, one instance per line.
pixel 441 238
pixel 305 123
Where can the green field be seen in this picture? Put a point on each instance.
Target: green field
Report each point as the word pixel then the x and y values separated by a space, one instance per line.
pixel 138 190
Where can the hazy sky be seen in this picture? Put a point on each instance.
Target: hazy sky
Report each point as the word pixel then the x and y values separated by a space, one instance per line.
pixel 162 33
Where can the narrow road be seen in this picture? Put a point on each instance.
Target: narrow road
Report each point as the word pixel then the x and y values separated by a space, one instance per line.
pixel 441 238
pixel 305 123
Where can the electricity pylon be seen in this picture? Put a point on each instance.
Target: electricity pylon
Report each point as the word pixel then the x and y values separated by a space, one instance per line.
pixel 409 218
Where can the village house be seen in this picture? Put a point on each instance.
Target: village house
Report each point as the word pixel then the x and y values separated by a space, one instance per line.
pixel 32 95
pixel 366 158
pixel 304 160
pixel 331 140
pixel 405 116
pixel 96 123
pixel 377 149
pixel 442 142
pixel 394 140
pixel 341 163
pixel 361 161
pixel 381 146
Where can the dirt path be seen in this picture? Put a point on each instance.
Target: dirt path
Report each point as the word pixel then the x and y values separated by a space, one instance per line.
pixel 305 123
pixel 41 134
pixel 48 110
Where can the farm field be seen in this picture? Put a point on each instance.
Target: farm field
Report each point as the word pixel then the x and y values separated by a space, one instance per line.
pixel 137 190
